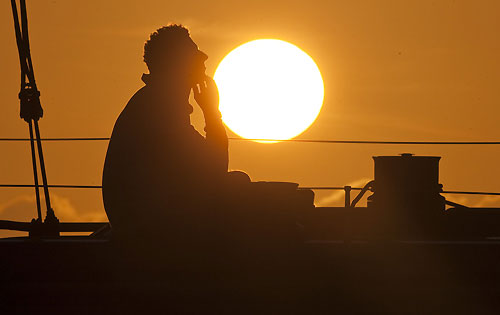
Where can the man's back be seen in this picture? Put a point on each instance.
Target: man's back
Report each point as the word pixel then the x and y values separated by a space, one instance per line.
pixel 157 163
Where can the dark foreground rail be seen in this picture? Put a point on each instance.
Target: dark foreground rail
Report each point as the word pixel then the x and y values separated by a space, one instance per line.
pixel 77 274
pixel 63 226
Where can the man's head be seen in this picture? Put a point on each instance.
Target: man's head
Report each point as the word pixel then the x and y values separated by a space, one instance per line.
pixel 171 51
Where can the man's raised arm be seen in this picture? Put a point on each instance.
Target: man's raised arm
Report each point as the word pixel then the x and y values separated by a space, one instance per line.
pixel 207 97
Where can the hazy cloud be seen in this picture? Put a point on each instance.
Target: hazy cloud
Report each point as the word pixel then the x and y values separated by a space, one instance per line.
pixel 23 208
pixel 488 201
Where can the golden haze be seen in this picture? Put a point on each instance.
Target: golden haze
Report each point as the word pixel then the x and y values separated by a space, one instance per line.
pixel 408 70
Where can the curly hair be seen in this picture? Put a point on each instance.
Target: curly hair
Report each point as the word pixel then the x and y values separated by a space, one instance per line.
pixel 162 43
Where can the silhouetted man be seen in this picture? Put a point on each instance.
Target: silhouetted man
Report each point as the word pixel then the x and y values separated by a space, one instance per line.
pixel 159 171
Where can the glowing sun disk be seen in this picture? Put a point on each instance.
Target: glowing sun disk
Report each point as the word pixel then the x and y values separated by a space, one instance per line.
pixel 269 89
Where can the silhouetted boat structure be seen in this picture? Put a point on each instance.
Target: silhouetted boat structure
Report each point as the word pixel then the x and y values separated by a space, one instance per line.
pixel 408 251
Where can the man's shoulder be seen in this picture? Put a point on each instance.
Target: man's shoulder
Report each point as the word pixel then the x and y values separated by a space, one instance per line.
pixel 137 102
pixel 131 112
pixel 139 96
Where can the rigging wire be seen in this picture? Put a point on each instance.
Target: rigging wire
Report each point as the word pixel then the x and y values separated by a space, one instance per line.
pixel 50 186
pixel 291 140
pixel 457 192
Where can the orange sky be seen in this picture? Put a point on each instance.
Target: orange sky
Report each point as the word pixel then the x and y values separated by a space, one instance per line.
pixel 393 70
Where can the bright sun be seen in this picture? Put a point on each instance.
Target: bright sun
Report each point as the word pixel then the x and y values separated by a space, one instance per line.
pixel 269 89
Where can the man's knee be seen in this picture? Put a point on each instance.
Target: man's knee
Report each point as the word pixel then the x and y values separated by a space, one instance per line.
pixel 238 178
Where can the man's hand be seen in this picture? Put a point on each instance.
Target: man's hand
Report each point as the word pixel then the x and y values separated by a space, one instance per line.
pixel 206 95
